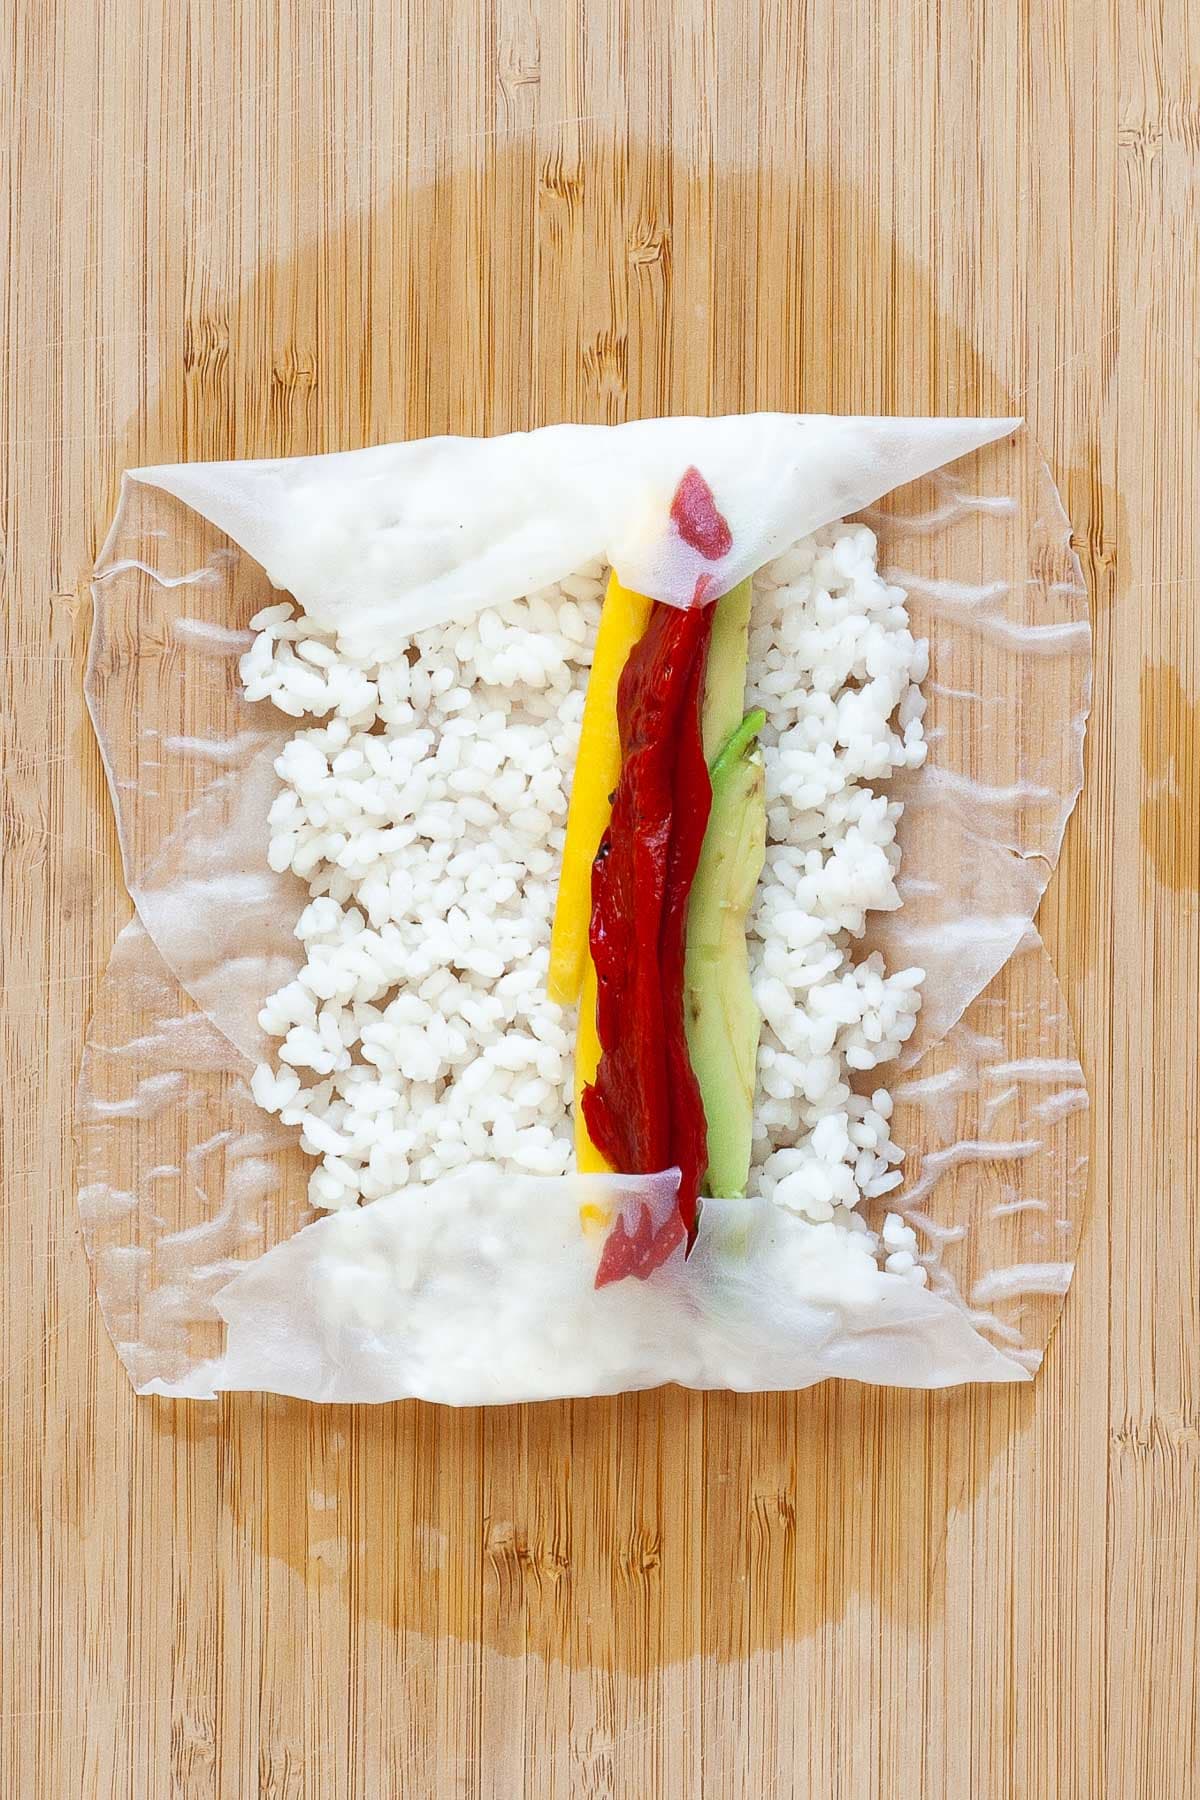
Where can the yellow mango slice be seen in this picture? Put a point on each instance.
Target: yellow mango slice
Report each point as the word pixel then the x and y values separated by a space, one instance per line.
pixel 588 1159
pixel 623 619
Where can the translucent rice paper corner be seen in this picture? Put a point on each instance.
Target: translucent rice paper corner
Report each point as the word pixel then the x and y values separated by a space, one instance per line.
pixel 193 1200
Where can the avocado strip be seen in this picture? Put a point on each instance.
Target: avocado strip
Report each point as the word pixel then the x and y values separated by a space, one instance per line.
pixel 725 681
pixel 721 1018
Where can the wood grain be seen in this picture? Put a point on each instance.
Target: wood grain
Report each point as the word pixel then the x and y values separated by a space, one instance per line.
pixel 281 228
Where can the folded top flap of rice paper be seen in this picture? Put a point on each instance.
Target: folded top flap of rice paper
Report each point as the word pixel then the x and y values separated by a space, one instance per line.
pixel 376 544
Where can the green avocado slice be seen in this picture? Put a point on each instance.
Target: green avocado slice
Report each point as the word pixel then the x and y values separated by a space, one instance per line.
pixel 720 1016
pixel 725 680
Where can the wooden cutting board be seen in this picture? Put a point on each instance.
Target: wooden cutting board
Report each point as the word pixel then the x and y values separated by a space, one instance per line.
pixel 275 228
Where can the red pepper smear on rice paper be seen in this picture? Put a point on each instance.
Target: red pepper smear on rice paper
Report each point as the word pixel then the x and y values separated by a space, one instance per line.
pixel 695 517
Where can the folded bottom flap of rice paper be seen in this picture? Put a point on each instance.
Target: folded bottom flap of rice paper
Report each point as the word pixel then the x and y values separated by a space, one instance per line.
pixel 364 892
pixel 482 1290
pixel 483 1287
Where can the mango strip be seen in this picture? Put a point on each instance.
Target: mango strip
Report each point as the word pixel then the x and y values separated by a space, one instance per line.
pixel 622 622
pixel 588 1159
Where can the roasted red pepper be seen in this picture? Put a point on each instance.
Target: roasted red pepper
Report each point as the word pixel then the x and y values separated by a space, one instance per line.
pixel 644 1111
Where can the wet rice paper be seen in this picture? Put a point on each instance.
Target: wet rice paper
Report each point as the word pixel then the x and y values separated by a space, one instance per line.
pixel 192 1199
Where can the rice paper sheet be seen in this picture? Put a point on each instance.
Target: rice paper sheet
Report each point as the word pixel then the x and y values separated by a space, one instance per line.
pixel 210 1269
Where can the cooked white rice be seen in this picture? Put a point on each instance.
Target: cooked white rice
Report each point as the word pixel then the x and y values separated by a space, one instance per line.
pixel 427 815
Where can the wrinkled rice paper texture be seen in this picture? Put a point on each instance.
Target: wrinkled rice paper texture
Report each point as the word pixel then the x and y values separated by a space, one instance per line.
pixel 186 1182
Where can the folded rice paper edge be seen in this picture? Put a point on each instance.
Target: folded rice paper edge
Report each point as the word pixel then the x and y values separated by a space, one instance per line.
pixel 474 1292
pixel 381 542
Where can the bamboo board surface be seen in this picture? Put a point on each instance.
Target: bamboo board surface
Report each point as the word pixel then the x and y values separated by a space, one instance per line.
pixel 279 228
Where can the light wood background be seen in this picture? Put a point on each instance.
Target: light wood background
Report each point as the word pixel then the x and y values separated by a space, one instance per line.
pixel 276 227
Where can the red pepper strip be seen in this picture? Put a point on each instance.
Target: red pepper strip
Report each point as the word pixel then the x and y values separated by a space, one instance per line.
pixel 644 1111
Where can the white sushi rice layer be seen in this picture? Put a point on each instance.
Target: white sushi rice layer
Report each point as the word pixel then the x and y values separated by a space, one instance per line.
pixel 426 811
